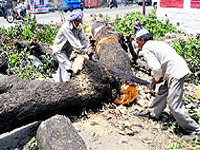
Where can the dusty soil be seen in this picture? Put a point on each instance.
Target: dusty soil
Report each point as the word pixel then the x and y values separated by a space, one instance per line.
pixel 116 128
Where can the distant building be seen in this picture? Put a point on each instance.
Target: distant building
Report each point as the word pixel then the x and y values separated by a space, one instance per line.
pixel 185 14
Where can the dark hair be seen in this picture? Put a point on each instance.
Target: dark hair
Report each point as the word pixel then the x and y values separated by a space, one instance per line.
pixel 146 37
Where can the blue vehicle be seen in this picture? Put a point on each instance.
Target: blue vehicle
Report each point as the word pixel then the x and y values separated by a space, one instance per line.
pixel 71 5
pixel 3 9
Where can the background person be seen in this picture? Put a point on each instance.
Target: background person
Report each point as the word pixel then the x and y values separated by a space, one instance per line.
pixel 165 63
pixel 113 3
pixel 70 36
pixel 24 5
pixel 19 7
pixel 137 26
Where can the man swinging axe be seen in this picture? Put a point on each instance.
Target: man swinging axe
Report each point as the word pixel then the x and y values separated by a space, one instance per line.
pixel 167 64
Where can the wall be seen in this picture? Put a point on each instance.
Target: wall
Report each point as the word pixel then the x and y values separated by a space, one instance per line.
pixel 185 13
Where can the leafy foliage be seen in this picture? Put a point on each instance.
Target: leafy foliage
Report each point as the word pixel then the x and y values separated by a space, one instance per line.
pixel 20 65
pixel 18 61
pixel 150 22
pixel 183 144
pixel 190 51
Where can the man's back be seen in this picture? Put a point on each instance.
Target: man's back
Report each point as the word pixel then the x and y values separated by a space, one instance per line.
pixel 161 55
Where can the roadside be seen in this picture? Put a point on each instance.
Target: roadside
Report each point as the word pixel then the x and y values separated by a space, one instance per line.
pixel 56 17
pixel 116 128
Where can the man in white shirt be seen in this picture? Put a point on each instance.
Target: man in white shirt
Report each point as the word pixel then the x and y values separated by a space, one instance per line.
pixel 70 36
pixel 19 7
pixel 165 63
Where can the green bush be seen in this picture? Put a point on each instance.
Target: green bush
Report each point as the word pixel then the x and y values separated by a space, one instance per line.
pixel 150 22
pixel 18 62
pixel 190 51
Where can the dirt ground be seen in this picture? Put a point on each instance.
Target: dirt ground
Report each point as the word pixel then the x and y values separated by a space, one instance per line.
pixel 116 128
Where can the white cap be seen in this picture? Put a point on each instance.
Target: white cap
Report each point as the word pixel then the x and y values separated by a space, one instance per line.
pixel 141 33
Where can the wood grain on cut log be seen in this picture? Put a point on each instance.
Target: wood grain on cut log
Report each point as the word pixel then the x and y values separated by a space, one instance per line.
pixel 22 103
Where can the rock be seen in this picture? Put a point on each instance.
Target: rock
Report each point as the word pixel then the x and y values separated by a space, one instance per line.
pixel 18 137
pixel 58 133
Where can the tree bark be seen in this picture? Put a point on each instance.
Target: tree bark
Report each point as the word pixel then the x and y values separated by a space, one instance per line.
pixel 108 48
pixel 24 101
pixel 35 48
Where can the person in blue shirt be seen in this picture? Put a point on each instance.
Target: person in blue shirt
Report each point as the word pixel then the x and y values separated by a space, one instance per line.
pixel 24 5
pixel 137 26
pixel 4 9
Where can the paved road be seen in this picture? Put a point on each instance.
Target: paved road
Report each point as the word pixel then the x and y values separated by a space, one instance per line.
pixel 56 16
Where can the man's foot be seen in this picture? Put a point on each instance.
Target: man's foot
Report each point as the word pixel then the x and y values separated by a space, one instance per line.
pixel 145 114
pixel 189 137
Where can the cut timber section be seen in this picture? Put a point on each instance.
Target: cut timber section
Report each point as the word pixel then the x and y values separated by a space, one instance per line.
pixel 104 40
pixel 197 93
pixel 128 94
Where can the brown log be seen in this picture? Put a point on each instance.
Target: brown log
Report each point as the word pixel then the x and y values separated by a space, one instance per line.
pixel 25 101
pixel 22 103
pixel 108 48
pixel 35 48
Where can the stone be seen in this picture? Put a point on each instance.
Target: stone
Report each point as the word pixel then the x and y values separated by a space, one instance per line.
pixel 58 133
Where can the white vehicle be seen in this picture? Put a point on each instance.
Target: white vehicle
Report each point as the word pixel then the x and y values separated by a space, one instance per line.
pixel 155 3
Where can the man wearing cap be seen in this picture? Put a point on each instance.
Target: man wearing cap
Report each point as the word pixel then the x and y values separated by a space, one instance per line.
pixel 166 64
pixel 137 26
pixel 70 36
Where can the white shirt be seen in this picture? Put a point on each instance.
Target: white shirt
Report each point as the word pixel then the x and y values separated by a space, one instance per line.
pixel 24 6
pixel 164 60
pixel 68 37
pixel 19 6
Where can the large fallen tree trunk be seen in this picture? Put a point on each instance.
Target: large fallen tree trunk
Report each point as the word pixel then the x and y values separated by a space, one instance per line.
pixel 108 48
pixel 25 101
pixel 20 105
